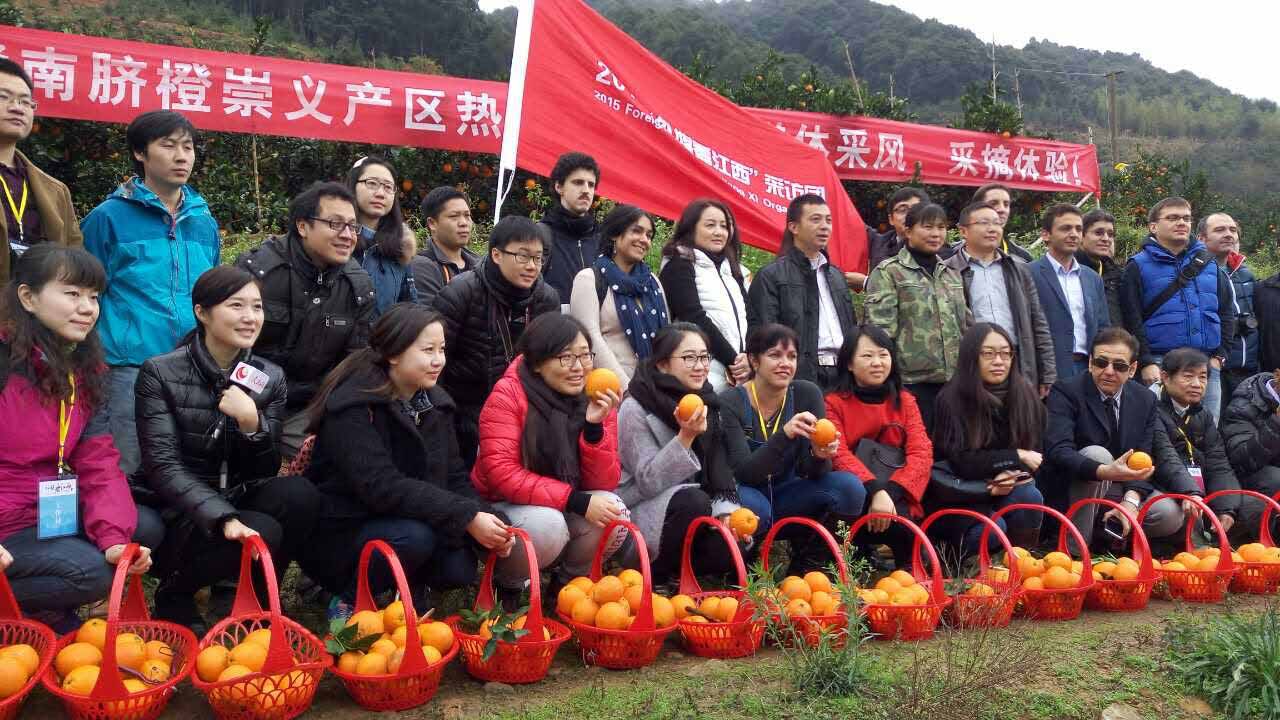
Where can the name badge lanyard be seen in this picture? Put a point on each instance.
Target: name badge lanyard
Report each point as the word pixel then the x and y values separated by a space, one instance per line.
pixel 764 427
pixel 19 210
pixel 64 426
pixel 1191 451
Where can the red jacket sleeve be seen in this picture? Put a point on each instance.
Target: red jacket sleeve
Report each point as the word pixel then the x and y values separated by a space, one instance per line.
pixel 914 478
pixel 110 516
pixel 599 463
pixel 845 460
pixel 499 474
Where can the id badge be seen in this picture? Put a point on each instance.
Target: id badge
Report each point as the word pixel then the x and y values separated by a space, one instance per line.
pixel 58 508
pixel 1196 474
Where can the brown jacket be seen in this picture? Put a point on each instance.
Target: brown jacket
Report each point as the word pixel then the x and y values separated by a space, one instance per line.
pixel 58 221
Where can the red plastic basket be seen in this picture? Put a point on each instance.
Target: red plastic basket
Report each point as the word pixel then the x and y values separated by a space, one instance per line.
pixel 907 622
pixel 528 659
pixel 1257 578
pixel 740 636
pixel 1120 595
pixel 812 627
pixel 975 611
pixel 16 630
pixel 296 659
pixel 636 646
pixel 127 612
pixel 1201 586
pixel 415 682
pixel 1060 603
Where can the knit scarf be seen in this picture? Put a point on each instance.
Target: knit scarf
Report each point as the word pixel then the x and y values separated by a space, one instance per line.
pixel 552 425
pixel 638 301
pixel 872 395
pixel 577 227
pixel 511 302
pixel 1000 391
pixel 659 393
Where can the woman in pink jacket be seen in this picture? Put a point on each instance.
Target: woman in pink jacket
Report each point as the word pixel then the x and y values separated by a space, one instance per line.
pixel 548 455
pixel 58 551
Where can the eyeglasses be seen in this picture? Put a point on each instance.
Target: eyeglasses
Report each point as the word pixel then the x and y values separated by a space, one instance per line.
pixel 1177 218
pixel 692 361
pixel 986 354
pixel 338 225
pixel 23 101
pixel 568 360
pixel 902 209
pixel 985 223
pixel 374 185
pixel 1119 366
pixel 523 258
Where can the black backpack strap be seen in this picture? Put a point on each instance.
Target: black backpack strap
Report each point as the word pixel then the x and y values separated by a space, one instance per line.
pixel 602 287
pixel 1188 273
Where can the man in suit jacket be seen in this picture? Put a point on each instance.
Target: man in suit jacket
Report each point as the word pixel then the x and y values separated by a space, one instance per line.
pixel 1073 298
pixel 1097 420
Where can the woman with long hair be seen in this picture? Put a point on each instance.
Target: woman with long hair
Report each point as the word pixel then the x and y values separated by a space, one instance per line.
pixel 618 299
pixel 385 244
pixel 704 284
pixel 386 460
pixel 548 454
pixel 57 552
pixel 209 417
pixel 989 428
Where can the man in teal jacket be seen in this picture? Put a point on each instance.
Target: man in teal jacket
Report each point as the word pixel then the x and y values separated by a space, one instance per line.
pixel 155 236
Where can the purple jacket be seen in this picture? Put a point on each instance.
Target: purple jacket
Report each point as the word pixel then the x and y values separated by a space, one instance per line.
pixel 29 452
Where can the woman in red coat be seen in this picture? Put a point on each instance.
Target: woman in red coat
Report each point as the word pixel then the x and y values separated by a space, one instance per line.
pixel 548 455
pixel 868 403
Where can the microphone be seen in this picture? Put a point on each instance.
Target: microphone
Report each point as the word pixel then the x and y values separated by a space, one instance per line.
pixel 249 376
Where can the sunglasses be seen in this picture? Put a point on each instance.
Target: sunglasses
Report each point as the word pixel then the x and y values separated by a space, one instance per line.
pixel 1119 366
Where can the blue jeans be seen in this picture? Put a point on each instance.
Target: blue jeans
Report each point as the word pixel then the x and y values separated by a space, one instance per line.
pixel 121 421
pixel 426 558
pixel 64 573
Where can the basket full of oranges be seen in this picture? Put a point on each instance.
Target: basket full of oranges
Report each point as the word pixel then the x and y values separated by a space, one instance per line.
pixel 1258 564
pixel 987 600
pixel 26 649
pixel 793 604
pixel 911 605
pixel 1125 582
pixel 719 623
pixel 1054 586
pixel 1198 574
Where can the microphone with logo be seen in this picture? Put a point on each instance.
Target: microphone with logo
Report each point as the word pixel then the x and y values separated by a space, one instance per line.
pixel 249 376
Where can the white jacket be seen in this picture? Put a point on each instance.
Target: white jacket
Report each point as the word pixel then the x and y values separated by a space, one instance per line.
pixel 723 300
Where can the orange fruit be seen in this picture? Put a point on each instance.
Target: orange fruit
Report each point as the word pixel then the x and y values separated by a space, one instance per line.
pixel 211 662
pixel 682 605
pixel 1208 564
pixel 612 616
pixel 134 685
pixel 889 585
pixel 600 380
pixel 903 597
pixel 1252 552
pixel 1029 567
pixel 381 646
pixel 710 607
pixel 159 650
pixel 347 661
pixel 393 616
pixel 609 589
pixel 372 664
pixel 1173 566
pixel 979 589
pixel 568 597
pixel 94 632
pixel 13 676
pixel 436 634
pixel 1188 560
pixel 1032 583
pixel 821 602
pixel 519 625
pixel 583 583
pixel 903 578
pixel 1057 559
pixel 793 587
pixel 249 654
pixel 76 655
pixel 727 609
pixel 400 636
pixel 233 672
pixel 743 523
pixel 868 597
pixel 818 582
pixel 81 680
pixel 664 613
pixel 695 619
pixel 584 613
pixel 631 578
pixel 798 607
pixel 131 651
pixel 261 636
pixel 370 622
pixel 394 660
pixel 155 670
pixel 1056 578
pixel 26 656
pixel 433 655
pixel 1124 571
pixel 633 594
pixel 824 433
pixel 1139 461
pixel 1020 552
pixel 1106 568
pixel 1205 552
pixel 689 404
pixel 998 574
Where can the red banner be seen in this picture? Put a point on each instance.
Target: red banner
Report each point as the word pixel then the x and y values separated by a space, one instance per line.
pixel 663 139
pixel 864 148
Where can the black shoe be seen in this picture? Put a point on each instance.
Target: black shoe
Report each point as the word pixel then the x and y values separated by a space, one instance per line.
pixel 180 608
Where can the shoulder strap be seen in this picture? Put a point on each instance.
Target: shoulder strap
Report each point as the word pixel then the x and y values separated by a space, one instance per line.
pixel 602 287
pixel 1186 275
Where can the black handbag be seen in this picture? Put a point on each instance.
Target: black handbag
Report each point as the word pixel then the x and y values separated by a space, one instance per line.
pixel 881 459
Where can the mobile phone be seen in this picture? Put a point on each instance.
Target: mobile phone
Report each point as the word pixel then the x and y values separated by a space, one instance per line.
pixel 1113 527
pixel 1023 478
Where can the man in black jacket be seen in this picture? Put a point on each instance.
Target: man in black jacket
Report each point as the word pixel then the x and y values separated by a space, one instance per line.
pixel 446 256
pixel 804 291
pixel 1097 421
pixel 1266 307
pixel 485 313
pixel 1251 428
pixel 1098 253
pixel 574 237
pixel 317 301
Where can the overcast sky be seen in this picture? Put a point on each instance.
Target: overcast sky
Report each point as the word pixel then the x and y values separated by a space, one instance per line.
pixel 1230 42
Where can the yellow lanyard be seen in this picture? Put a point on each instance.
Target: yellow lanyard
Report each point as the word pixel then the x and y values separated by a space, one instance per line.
pixel 18 210
pixel 64 424
pixel 1191 452
pixel 764 428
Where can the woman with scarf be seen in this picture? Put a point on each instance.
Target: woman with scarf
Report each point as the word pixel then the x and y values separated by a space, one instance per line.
pixel 675 469
pixel 618 299
pixel 386 244
pixel 549 455
pixel 989 429
pixel 52 380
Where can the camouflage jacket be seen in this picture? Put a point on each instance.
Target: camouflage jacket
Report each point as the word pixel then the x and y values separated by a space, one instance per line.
pixel 925 316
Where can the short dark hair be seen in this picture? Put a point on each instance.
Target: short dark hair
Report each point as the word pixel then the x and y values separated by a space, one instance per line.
pixel 794 211
pixel 669 337
pixel 515 228
pixel 9 67
pixel 845 383
pixel 616 223
pixel 1156 210
pixel 306 204
pixel 1183 358
pixel 1055 211
pixel 570 161
pixel 925 212
pixel 903 194
pixel 1095 216
pixel 968 210
pixel 980 195
pixel 152 126
pixel 433 204
pixel 212 288
pixel 548 336
pixel 761 338
pixel 1203 225
pixel 1115 336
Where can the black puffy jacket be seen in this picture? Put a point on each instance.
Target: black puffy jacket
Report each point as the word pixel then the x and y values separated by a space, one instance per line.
pixel 1251 427
pixel 177 396
pixel 1206 452
pixel 370 459
pixel 314 318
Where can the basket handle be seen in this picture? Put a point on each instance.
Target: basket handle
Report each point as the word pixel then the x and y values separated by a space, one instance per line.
pixel 126 602
pixel 279 653
pixel 484 598
pixel 688 582
pixel 414 660
pixel 644 614
pixel 9 609
pixel 1269 505
pixel 767 544
pixel 984 556
pixel 1065 526
pixel 1225 563
pixel 1141 546
pixel 937 592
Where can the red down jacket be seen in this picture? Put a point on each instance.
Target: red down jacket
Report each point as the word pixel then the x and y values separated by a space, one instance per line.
pixel 499 474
